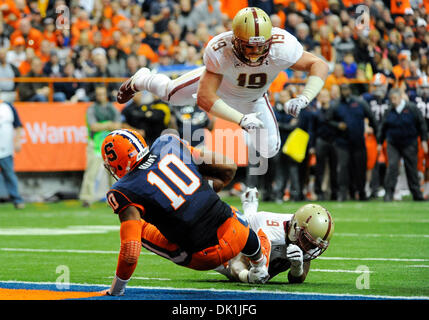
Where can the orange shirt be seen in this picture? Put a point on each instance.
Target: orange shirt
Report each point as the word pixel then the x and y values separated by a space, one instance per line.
pixel 398 7
pixel 146 50
pixel 230 8
pixel 125 43
pixel 24 68
pixel 279 82
pixel 332 79
pixel 12 9
pixel 33 39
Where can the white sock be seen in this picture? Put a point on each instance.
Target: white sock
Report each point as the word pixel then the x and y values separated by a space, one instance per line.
pixel 156 84
pixel 250 207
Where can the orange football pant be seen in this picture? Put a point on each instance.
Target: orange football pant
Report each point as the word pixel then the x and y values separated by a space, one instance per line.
pixel 232 237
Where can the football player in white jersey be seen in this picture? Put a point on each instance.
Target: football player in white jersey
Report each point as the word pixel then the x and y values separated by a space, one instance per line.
pixel 293 240
pixel 239 67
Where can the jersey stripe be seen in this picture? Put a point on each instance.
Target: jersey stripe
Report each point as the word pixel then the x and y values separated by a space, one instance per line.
pixel 133 139
pixel 183 85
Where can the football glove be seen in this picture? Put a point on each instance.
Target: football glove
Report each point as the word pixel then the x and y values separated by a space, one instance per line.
pixel 251 121
pixel 294 255
pixel 258 274
pixel 118 287
pixel 294 106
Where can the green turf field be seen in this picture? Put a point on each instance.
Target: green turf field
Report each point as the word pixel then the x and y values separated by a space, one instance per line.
pixel 377 249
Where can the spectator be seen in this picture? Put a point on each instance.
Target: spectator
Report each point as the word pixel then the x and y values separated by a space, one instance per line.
pixel 343 44
pixel 16 55
pixel 349 66
pixel 303 36
pixel 72 91
pixel 348 115
pixel 150 119
pixel 34 91
pixel 101 71
pixel 7 70
pixel 116 64
pixel 52 68
pixel 151 38
pixel 160 13
pixel 10 131
pixel 401 70
pixel 325 134
pixel 5 32
pixel 33 37
pixel 207 11
pixel 285 167
pixel 401 126
pixel 410 45
pixel 336 77
pixel 101 118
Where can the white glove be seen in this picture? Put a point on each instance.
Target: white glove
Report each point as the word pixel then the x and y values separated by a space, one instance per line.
pixel 294 255
pixel 118 287
pixel 251 121
pixel 295 105
pixel 258 274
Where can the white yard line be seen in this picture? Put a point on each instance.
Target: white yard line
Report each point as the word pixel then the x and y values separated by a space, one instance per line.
pixel 379 235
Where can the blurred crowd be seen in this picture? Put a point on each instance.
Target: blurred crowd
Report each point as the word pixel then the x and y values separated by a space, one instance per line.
pixel 372 46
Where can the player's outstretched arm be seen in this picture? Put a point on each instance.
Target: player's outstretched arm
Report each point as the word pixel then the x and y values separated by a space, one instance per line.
pixel 208 100
pixel 318 71
pixel 130 232
pixel 216 167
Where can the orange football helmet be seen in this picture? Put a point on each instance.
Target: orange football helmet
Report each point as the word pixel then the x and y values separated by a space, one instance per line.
pixel 122 150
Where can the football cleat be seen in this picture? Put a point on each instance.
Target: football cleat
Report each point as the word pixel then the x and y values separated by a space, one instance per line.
pixel 127 90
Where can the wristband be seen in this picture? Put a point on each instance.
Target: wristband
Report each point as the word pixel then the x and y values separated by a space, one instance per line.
pixel 224 111
pixel 313 87
pixel 118 286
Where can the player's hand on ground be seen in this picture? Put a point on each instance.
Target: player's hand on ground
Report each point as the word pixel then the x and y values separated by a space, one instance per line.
pixel 258 274
pixel 251 121
pixel 294 255
pixel 295 105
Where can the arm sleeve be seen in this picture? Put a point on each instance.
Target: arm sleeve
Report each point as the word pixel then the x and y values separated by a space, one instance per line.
pixel 130 233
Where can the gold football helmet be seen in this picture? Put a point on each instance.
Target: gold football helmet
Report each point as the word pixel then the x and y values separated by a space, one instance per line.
pixel 311 228
pixel 252 35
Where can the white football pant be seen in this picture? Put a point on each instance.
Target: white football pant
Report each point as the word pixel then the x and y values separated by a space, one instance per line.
pixel 182 91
